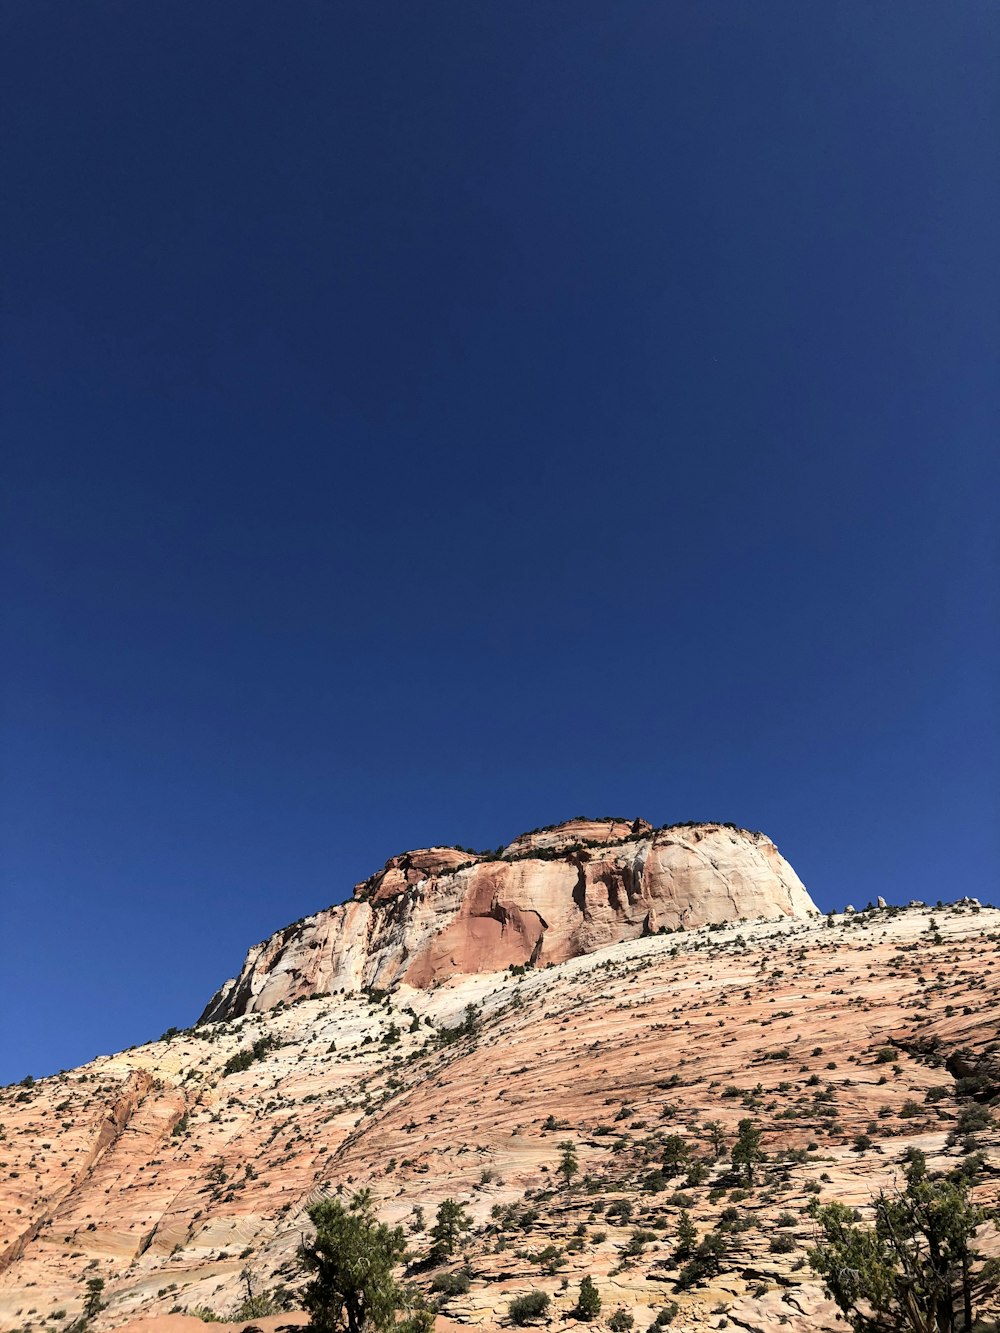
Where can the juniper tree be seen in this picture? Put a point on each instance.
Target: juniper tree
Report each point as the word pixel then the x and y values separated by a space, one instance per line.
pixel 523 1309
pixel 351 1262
pixel 568 1165
pixel 916 1268
pixel 449 1223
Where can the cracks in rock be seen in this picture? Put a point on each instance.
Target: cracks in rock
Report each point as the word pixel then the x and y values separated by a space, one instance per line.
pixel 580 893
pixel 742 1323
pixel 714 865
pixel 536 952
pixel 115 1123
pixel 146 1241
pixel 726 882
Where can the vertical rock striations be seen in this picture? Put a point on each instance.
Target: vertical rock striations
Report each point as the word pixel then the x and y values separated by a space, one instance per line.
pixel 550 895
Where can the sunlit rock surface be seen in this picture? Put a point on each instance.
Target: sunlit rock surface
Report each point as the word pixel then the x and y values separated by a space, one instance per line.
pixel 550 895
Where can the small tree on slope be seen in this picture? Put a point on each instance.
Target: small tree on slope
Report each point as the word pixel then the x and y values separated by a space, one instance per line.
pixel 351 1261
pixel 747 1151
pixel 914 1269
pixel 449 1223
pixel 568 1164
pixel 588 1305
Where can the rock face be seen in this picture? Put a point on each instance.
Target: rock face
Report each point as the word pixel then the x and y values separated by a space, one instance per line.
pixel 549 896
pixel 170 1168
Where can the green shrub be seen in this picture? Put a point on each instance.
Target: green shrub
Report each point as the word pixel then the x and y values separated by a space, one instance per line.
pixel 245 1058
pixel 523 1309
pixel 451 1284
pixel 588 1304
pixel 972 1118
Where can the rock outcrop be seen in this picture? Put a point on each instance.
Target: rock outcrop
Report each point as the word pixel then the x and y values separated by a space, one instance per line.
pixel 549 896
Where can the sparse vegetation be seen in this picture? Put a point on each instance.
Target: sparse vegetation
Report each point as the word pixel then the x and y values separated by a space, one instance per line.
pixel 242 1060
pixel 633 1177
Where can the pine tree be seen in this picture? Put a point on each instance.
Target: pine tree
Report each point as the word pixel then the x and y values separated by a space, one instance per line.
pixel 94 1304
pixel 675 1153
pixel 707 1261
pixel 718 1137
pixel 568 1165
pixel 915 1269
pixel 687 1234
pixel 588 1304
pixel 746 1150
pixel 255 1304
pixel 451 1220
pixel 351 1262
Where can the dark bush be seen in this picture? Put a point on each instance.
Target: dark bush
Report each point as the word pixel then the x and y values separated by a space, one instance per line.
pixel 451 1284
pixel 523 1309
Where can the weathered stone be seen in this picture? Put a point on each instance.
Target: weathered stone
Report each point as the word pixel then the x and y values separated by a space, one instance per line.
pixel 551 895
pixel 168 1168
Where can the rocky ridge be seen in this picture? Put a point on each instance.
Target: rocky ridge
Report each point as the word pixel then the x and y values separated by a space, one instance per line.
pixel 171 1169
pixel 548 896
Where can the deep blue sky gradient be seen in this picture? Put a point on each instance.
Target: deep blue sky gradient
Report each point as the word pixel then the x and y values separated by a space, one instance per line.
pixel 426 421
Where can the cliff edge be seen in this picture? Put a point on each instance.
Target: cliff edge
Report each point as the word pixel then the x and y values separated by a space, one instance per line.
pixel 548 896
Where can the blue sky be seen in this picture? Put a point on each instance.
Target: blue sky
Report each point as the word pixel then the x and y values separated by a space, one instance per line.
pixel 424 422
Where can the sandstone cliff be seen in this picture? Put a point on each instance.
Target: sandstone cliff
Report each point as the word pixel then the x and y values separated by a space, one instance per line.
pixel 169 1169
pixel 550 895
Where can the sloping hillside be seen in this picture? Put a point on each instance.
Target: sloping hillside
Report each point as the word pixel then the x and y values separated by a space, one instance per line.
pixel 170 1168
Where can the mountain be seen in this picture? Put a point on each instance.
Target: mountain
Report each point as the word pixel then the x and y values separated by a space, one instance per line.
pixel 172 1169
pixel 550 895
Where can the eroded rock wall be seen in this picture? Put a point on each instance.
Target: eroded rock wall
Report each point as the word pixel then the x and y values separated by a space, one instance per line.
pixel 551 895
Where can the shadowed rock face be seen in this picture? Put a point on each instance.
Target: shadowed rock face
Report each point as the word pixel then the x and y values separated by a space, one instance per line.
pixel 549 896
